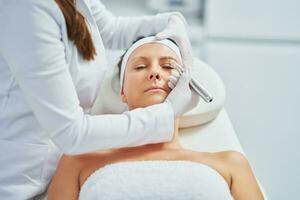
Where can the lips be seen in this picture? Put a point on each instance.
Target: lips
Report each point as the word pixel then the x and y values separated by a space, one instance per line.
pixel 155 89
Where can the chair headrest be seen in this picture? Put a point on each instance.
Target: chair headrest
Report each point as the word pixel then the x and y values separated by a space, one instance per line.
pixel 109 101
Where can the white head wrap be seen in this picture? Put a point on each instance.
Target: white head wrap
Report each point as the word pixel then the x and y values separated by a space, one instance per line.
pixel 139 43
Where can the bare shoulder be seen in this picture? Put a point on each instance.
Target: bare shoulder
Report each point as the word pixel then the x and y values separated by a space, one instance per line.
pixel 67 164
pixel 68 174
pixel 76 163
pixel 70 163
pixel 68 159
pixel 233 158
pixel 225 162
pixel 81 160
pixel 244 184
pixel 233 161
pixel 217 161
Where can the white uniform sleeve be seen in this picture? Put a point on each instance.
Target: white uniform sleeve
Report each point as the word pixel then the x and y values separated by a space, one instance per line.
pixel 31 45
pixel 120 32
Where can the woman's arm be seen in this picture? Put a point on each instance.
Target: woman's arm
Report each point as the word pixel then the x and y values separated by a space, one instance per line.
pixel 243 182
pixel 120 32
pixel 31 45
pixel 65 182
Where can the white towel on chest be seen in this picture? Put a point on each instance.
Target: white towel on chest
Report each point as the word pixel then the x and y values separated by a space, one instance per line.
pixel 172 180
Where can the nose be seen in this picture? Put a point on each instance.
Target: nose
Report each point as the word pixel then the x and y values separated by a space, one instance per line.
pixel 154 75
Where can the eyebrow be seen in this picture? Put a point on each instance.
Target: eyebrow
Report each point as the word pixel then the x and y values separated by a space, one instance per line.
pixel 168 57
pixel 145 58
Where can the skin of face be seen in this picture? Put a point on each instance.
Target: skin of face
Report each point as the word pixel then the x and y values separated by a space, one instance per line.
pixel 147 74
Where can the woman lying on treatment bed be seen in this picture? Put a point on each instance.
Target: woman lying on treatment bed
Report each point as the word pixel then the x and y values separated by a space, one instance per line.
pixel 153 171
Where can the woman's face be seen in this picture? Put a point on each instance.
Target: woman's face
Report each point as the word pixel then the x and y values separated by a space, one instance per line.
pixel 146 75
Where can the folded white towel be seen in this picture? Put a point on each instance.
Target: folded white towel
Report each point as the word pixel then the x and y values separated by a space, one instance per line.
pixel 139 180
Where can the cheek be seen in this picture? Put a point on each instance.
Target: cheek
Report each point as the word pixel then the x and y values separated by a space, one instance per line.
pixel 169 72
pixel 133 80
pixel 166 76
pixel 174 72
pixel 132 85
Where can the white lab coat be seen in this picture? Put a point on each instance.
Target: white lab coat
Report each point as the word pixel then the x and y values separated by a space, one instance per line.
pixel 47 91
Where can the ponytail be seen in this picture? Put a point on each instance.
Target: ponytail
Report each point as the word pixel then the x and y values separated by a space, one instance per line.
pixel 77 29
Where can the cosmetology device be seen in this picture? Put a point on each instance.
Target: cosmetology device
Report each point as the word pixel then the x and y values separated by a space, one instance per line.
pixel 196 85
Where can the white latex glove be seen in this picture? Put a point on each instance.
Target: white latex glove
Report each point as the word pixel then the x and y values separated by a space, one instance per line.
pixel 173 80
pixel 176 30
pixel 182 98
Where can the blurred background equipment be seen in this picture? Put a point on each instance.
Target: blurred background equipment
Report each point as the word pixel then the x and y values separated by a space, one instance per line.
pixel 186 7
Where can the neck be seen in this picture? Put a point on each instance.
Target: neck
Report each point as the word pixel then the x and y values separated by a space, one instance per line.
pixel 173 144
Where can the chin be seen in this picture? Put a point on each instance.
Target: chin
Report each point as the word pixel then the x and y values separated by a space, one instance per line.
pixel 148 100
pixel 155 99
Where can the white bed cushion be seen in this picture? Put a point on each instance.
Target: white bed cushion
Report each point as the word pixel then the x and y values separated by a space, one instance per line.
pixel 217 135
pixel 109 101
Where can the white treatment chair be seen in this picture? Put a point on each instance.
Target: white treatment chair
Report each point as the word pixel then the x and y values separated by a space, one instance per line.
pixel 205 128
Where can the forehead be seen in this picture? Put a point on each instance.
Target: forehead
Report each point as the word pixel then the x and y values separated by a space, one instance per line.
pixel 153 50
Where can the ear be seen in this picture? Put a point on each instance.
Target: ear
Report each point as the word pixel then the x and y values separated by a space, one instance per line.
pixel 123 96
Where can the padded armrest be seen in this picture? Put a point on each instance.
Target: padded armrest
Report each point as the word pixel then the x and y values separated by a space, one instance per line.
pixel 109 101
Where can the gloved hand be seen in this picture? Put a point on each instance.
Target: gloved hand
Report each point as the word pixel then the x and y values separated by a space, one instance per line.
pixel 182 98
pixel 173 79
pixel 176 30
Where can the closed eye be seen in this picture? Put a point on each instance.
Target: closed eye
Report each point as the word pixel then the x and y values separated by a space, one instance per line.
pixel 140 67
pixel 168 66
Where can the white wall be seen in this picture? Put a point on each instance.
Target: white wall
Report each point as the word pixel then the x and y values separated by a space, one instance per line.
pixel 255 47
pixel 269 19
pixel 263 96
